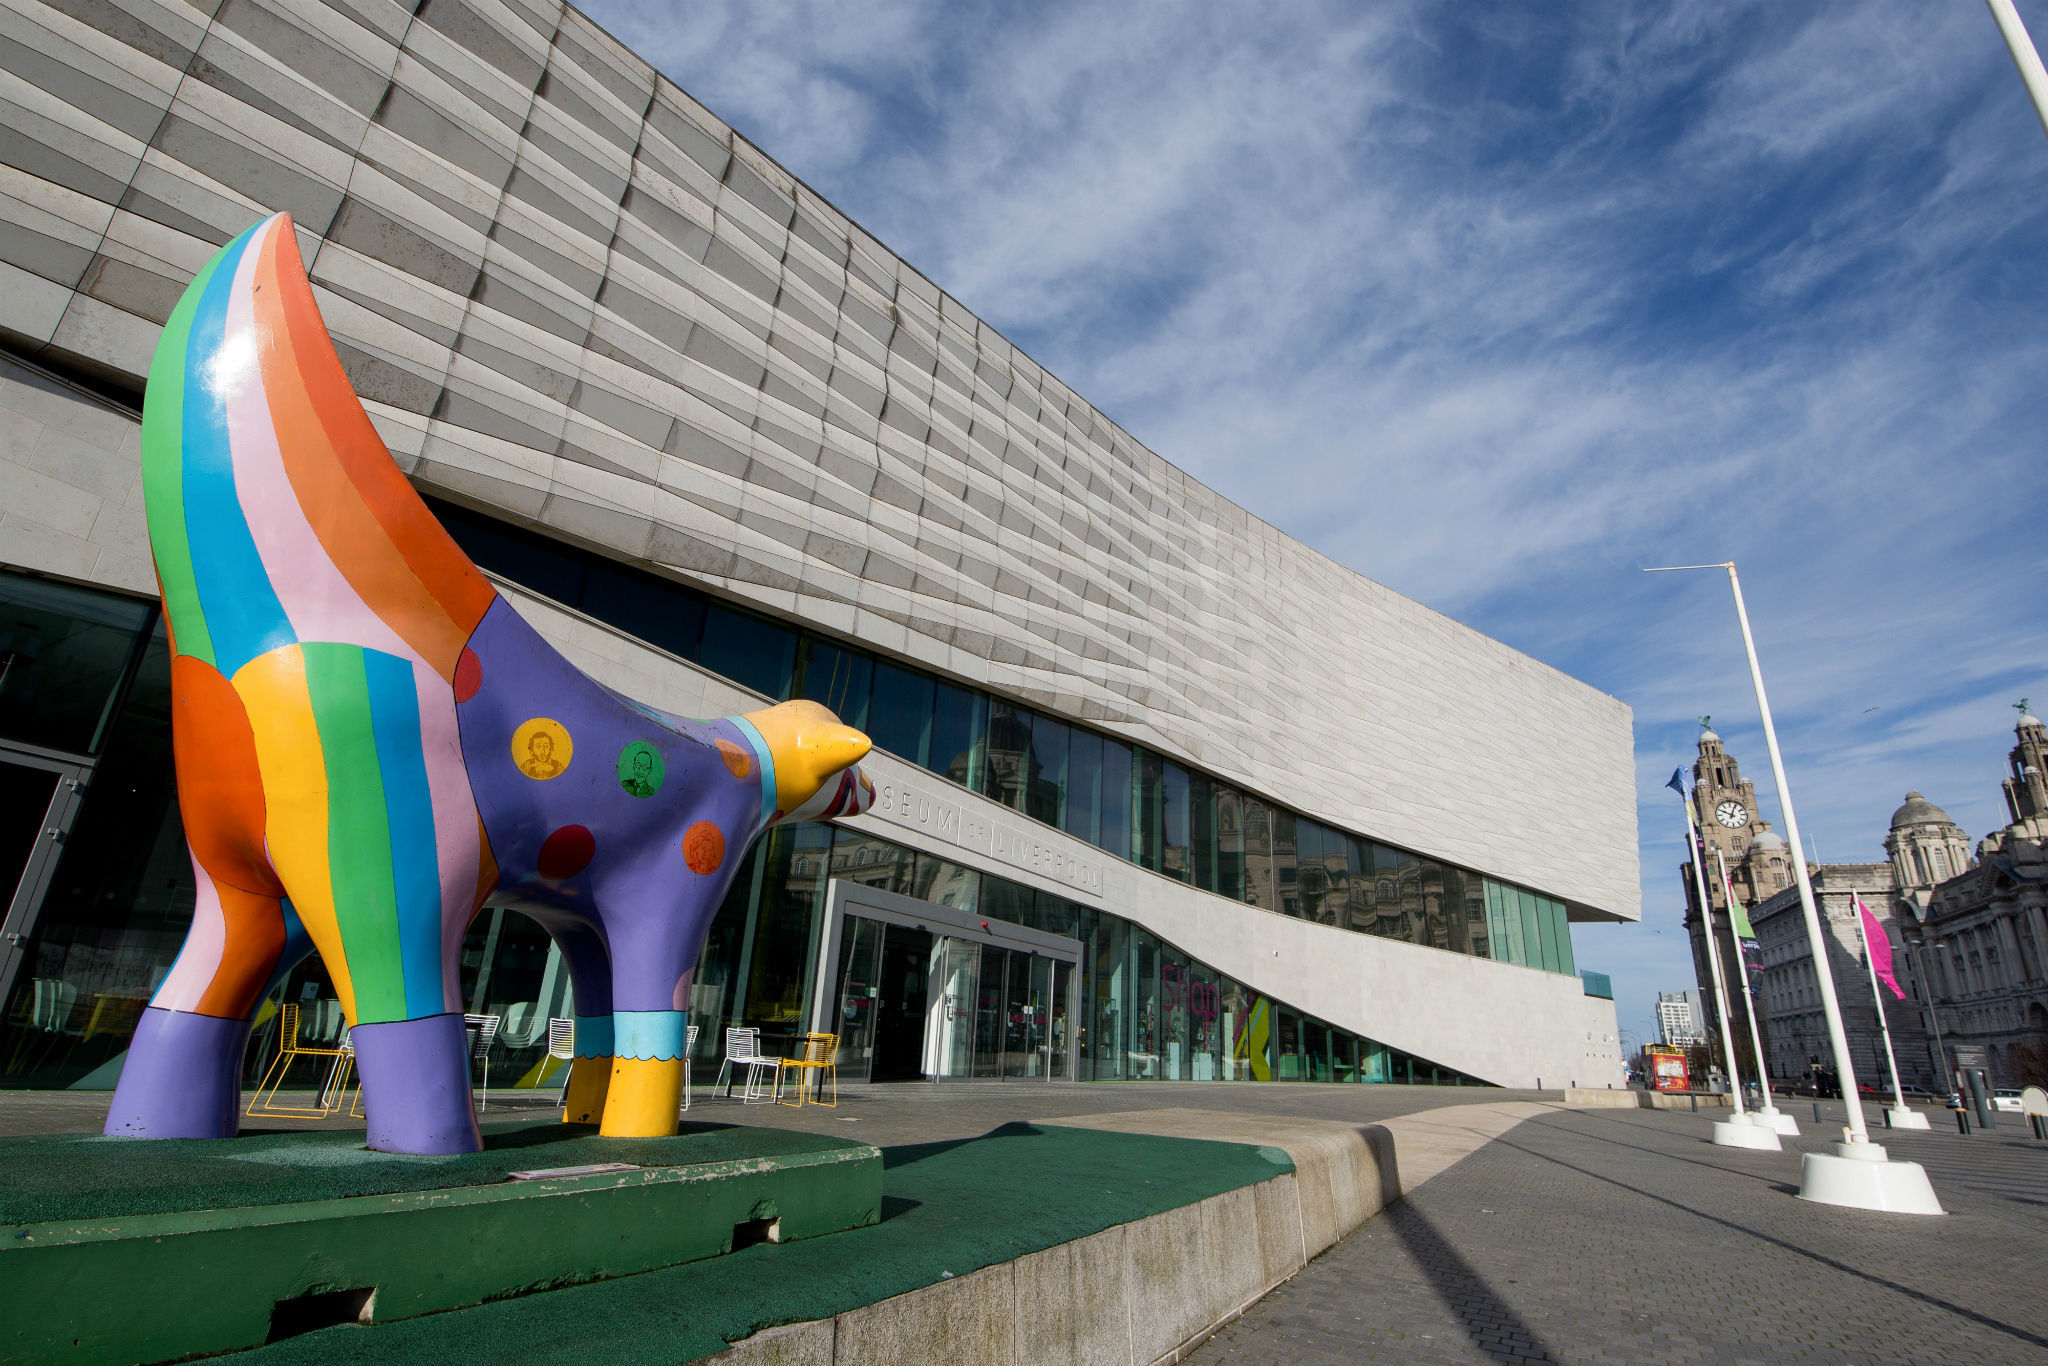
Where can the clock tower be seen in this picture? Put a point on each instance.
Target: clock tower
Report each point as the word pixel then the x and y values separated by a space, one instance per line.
pixel 1724 809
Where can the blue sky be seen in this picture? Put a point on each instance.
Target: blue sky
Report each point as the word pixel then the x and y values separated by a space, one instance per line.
pixel 1499 303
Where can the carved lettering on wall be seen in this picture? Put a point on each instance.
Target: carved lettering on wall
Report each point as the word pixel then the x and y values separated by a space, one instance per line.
pixel 944 819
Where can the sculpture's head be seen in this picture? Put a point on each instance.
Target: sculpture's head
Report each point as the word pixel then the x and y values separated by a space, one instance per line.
pixel 816 762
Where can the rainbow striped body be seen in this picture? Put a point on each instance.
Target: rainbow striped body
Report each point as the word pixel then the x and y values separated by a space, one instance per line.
pixel 354 713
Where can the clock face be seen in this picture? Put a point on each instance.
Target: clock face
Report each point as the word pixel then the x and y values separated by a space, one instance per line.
pixel 1732 814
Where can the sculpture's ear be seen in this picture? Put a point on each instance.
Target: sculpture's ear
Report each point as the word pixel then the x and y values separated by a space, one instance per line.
pixel 809 747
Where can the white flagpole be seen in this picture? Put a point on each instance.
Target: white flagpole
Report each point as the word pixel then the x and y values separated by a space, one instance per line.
pixel 1831 1009
pixel 1858 1173
pixel 1898 1091
pixel 2023 55
pixel 1756 1043
pixel 1699 875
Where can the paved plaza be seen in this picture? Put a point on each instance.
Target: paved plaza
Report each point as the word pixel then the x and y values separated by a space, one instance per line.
pixel 886 1115
pixel 1622 1237
pixel 1595 1236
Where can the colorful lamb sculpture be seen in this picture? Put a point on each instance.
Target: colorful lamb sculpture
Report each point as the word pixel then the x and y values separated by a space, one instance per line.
pixel 370 742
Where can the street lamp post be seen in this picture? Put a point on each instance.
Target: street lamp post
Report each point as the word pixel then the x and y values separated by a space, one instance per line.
pixel 1859 1172
pixel 1916 939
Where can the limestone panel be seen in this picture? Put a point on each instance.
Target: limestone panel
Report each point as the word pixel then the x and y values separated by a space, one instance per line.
pixel 587 303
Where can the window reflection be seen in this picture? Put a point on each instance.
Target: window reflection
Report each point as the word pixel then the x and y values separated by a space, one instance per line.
pixel 63 651
pixel 1129 802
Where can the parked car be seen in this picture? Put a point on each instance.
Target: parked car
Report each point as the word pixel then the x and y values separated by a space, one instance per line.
pixel 2006 1098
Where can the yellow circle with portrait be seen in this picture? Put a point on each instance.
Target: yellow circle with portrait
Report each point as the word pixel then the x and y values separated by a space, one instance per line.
pixel 541 748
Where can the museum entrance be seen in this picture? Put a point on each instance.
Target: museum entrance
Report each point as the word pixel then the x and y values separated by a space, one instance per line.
pixel 926 992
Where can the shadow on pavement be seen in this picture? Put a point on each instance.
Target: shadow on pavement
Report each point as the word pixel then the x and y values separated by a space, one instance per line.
pixel 1494 1327
pixel 1973 1315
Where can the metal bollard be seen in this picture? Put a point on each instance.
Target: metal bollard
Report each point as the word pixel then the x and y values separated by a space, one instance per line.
pixel 1816 1112
pixel 1887 1118
pixel 1962 1121
pixel 1695 1104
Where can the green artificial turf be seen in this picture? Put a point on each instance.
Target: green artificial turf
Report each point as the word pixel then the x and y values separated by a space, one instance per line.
pixel 946 1207
pixel 62 1177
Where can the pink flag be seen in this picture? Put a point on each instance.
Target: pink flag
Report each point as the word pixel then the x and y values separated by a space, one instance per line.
pixel 1880 948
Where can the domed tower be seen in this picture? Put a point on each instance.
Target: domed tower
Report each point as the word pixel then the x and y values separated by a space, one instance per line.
pixel 1925 846
pixel 2026 791
pixel 1769 864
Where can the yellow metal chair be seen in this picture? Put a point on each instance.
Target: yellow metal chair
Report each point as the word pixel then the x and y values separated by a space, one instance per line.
pixel 290 1049
pixel 819 1063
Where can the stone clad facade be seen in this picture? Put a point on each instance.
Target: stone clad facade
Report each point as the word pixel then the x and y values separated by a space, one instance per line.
pixel 1985 930
pixel 574 297
pixel 583 311
pixel 1797 1041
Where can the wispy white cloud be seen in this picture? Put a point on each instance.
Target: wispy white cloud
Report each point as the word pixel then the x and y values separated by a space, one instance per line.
pixel 1498 305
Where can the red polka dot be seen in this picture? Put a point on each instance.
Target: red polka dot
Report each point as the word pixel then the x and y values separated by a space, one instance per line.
pixel 704 848
pixel 469 675
pixel 567 852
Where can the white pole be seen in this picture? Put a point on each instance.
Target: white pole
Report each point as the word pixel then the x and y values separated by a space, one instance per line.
pixel 1898 1091
pixel 1699 877
pixel 1756 1043
pixel 1845 1070
pixel 2023 55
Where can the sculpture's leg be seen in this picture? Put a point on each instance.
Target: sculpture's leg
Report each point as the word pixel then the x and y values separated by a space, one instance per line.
pixel 583 948
pixel 590 1072
pixel 647 1074
pixel 416 1085
pixel 370 826
pixel 182 1076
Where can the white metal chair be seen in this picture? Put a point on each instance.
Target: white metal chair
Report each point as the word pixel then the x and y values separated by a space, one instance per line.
pixel 486 1027
pixel 743 1049
pixel 689 1047
pixel 562 1049
pixel 523 1024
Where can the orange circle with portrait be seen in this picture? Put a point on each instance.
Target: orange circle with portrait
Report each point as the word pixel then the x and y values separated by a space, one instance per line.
pixel 736 759
pixel 541 748
pixel 703 848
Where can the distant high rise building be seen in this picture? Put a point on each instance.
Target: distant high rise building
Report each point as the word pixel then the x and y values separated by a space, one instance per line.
pixel 1681 1018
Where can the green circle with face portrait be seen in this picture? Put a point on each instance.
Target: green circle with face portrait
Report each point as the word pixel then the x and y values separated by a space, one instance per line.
pixel 640 769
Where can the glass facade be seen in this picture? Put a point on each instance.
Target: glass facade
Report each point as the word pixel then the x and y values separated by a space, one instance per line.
pixel 1128 801
pixel 86 676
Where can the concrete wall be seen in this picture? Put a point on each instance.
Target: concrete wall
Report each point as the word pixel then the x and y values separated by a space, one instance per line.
pixel 571 295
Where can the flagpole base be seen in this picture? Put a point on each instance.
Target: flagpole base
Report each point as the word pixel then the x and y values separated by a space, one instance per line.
pixel 1903 1117
pixel 1861 1176
pixel 1740 1133
pixel 1776 1120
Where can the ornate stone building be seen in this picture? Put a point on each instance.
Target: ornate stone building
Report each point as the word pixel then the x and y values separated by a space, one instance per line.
pixel 1984 929
pixel 1797 1032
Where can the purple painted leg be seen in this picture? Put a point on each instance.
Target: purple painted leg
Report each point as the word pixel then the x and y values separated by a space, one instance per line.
pixel 182 1079
pixel 416 1085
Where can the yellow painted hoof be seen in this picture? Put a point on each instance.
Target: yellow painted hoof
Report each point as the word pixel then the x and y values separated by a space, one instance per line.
pixel 646 1095
pixel 589 1080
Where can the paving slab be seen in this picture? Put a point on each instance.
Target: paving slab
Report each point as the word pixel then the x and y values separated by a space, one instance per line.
pixel 1626 1237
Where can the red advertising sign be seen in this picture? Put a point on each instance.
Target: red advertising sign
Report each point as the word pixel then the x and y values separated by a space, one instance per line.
pixel 1667 1070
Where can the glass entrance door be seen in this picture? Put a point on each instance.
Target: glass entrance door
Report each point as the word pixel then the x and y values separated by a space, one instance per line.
pixel 1024 1007
pixel 38 798
pixel 991 1018
pixel 859 1000
pixel 1059 1030
pixel 901 1002
pixel 950 1015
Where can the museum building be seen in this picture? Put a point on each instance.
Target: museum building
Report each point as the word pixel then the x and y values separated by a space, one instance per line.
pixel 1162 793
